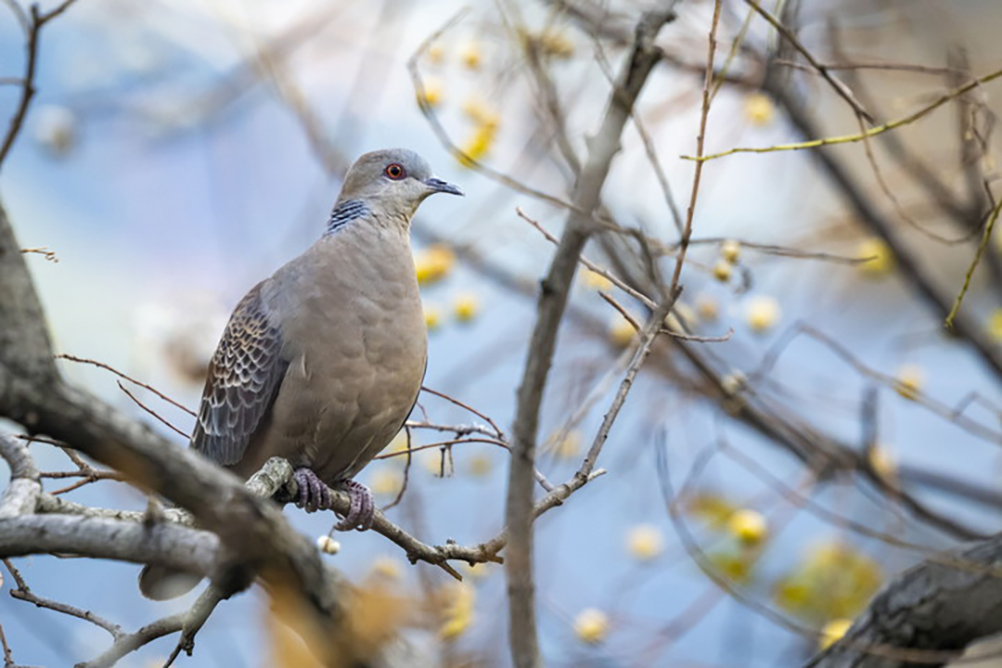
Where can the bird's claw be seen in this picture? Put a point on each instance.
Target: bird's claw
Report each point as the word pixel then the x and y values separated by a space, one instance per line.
pixel 313 494
pixel 362 509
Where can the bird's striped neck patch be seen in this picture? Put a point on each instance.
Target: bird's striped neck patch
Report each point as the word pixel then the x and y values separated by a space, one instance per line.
pixel 345 212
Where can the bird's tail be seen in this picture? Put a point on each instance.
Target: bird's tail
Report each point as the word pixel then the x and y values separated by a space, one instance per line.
pixel 160 583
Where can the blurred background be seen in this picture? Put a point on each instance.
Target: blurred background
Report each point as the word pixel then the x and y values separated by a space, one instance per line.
pixel 177 152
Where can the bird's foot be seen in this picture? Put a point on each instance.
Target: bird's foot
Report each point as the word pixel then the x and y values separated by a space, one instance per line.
pixel 313 493
pixel 362 509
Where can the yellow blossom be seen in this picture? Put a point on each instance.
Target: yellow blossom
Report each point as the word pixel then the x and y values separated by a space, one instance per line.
pixel 995 325
pixel 644 542
pixel 748 526
pixel 431 92
pixel 591 626
pixel 832 632
pixel 682 314
pixel 432 317
pixel 763 313
pixel 707 307
pixel 759 109
pixel 459 602
pixel 465 306
pixel 730 251
pixel 386 567
pixel 435 461
pixel 910 380
pixel 386 482
pixel 470 55
pixel 433 263
pixel 621 331
pixel 328 545
pixel 881 260
pixel 480 464
pixel 595 280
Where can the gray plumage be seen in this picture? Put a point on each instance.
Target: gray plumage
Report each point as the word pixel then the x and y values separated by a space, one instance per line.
pixel 322 362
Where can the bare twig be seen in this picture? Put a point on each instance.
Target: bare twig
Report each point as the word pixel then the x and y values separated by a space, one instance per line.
pixel 145 386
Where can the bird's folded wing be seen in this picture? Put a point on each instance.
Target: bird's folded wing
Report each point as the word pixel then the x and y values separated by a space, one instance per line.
pixel 244 377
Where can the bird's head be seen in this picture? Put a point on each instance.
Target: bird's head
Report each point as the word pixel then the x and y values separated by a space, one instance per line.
pixel 394 181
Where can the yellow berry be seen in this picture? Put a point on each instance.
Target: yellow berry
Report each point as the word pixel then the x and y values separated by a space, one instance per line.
pixel 431 92
pixel 432 317
pixel 879 259
pixel 470 55
pixel 465 307
pixel 477 145
pixel 763 313
pixel 882 461
pixel 591 626
pixel 909 382
pixel 748 526
pixel 730 251
pixel 722 271
pixel 480 465
pixel 621 331
pixel 759 109
pixel 569 446
pixel 644 542
pixel 436 53
pixel 707 307
pixel 595 280
pixel 386 482
pixel 328 545
pixel 433 263
pixel 832 632
pixel 995 325
pixel 478 111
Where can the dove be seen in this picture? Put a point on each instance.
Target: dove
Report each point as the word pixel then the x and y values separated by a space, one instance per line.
pixel 322 362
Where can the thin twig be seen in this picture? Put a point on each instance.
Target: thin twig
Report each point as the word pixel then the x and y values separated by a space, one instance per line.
pixel 145 386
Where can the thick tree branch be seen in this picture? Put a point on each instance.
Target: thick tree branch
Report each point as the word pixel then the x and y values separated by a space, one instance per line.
pixel 926 615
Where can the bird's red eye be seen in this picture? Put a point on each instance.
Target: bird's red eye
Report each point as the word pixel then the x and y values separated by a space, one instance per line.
pixel 395 171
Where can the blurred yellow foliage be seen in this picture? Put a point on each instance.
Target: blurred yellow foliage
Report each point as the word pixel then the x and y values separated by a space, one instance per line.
pixel 833 580
pixel 595 280
pixel 480 464
pixel 457 601
pixel 436 53
pixel 386 482
pixel 736 566
pixel 478 144
pixel 621 331
pixel 566 446
pixel 713 509
pixel 471 55
pixel 386 567
pixel 832 632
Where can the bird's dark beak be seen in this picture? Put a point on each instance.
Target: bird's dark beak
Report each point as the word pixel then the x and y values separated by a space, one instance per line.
pixel 440 186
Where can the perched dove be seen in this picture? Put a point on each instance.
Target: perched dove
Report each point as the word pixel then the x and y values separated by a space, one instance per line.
pixel 322 362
